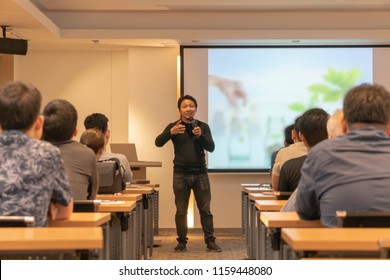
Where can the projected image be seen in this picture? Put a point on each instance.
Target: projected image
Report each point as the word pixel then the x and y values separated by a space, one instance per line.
pixel 255 93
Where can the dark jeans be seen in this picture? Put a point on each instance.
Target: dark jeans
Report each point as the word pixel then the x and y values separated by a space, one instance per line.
pixel 200 185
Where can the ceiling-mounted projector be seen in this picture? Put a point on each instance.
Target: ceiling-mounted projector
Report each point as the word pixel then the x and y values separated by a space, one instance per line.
pixel 12 46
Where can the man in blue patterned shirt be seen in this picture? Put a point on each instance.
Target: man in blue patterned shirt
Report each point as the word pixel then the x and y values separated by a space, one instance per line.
pixel 32 174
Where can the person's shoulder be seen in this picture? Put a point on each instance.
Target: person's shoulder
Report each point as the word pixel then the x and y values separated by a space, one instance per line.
pixel 294 161
pixel 40 150
pixel 73 151
pixel 81 149
pixel 173 123
pixel 44 146
pixel 298 146
pixel 325 145
pixel 282 151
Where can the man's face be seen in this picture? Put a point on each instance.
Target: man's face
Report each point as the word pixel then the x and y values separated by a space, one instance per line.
pixel 187 109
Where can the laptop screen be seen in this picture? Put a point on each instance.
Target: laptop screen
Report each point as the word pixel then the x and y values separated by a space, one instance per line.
pixel 127 149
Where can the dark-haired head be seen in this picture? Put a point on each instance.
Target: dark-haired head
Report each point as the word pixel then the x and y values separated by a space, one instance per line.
pixel 96 120
pixel 312 125
pixel 184 97
pixel 20 104
pixel 60 121
pixel 367 104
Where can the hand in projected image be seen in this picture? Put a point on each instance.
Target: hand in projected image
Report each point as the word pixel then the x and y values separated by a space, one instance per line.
pixel 232 89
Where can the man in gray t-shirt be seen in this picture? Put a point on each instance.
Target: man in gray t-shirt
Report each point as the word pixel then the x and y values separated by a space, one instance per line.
pixel 80 161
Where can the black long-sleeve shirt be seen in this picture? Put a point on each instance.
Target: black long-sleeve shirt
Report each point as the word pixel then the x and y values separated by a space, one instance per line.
pixel 189 148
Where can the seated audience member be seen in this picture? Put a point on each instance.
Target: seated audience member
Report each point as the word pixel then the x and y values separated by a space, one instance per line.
pixel 292 151
pixel 32 175
pixel 100 121
pixel 93 139
pixel 312 130
pixel 335 125
pixel 80 161
pixel 287 142
pixel 350 172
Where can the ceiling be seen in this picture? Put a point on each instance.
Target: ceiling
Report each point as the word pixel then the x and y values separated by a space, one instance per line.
pixel 118 24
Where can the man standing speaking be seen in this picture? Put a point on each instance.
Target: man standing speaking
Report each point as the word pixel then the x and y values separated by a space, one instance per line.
pixel 190 139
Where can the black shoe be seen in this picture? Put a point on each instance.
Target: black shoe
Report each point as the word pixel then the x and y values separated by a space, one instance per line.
pixel 213 247
pixel 181 247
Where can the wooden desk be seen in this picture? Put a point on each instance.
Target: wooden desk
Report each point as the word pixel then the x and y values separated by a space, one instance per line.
pixel 80 219
pixel 269 243
pixel 139 216
pixel 269 205
pixel 250 217
pixel 259 206
pixel 116 206
pixel 138 185
pixel 262 196
pixel 286 219
pixel 139 168
pixel 246 189
pixel 150 206
pixel 138 190
pixel 124 237
pixel 56 240
pixel 384 246
pixel 256 185
pixel 146 163
pixel 145 220
pixel 256 189
pixel 119 196
pixel 335 239
pixel 151 190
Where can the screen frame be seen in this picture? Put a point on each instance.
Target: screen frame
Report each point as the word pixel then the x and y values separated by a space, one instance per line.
pixel 182 85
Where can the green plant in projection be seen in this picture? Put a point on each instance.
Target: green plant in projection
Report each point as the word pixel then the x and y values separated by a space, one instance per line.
pixel 336 84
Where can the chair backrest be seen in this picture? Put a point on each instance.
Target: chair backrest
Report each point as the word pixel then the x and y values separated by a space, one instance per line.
pixel 17 221
pixel 86 205
pixel 363 218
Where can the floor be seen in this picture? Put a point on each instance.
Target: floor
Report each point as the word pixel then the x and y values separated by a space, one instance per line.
pixel 231 241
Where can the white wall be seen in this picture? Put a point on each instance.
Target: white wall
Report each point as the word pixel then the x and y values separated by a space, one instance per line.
pixel 381 62
pixel 153 95
pixel 93 81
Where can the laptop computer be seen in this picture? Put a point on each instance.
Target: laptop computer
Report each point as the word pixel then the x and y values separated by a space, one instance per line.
pixel 127 149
